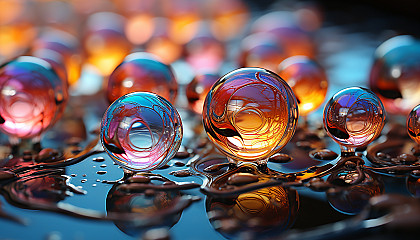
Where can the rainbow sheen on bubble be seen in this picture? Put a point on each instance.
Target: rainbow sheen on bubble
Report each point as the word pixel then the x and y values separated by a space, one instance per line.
pixel 354 117
pixel 250 114
pixel 141 131
pixel 32 97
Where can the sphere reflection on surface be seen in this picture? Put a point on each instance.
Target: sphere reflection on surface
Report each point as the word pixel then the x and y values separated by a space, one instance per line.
pixel 141 131
pixel 250 114
pixel 265 211
pixel 353 198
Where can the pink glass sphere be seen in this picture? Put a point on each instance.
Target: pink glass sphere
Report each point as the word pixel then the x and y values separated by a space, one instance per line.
pixel 354 117
pixel 32 97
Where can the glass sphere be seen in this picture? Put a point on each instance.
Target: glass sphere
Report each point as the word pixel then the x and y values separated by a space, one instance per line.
pixel 66 46
pixel 286 29
pixel 104 43
pixel 141 131
pixel 395 74
pixel 32 97
pixel 197 90
pixel 142 71
pixel 205 53
pixel 250 114
pixel 413 124
pixel 354 117
pixel 261 50
pixel 307 80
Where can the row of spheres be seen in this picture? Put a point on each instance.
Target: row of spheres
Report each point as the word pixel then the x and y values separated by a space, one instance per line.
pixel 391 79
pixel 239 115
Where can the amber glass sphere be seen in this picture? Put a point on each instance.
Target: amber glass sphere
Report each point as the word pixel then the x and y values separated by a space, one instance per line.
pixel 307 80
pixel 197 90
pixel 354 117
pixel 250 114
pixel 142 72
pixel 395 74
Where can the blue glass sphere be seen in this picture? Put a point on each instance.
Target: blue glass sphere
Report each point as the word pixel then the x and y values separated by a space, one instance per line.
pixel 141 131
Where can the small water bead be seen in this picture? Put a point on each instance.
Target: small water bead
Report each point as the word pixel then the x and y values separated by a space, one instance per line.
pixel 32 97
pixel 308 81
pixel 250 114
pixel 141 131
pixel 142 71
pixel 354 117
pixel 413 124
pixel 395 74
pixel 197 90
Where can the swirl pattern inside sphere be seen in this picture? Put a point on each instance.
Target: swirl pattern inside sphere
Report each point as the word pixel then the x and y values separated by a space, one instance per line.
pixel 354 117
pixel 250 114
pixel 141 131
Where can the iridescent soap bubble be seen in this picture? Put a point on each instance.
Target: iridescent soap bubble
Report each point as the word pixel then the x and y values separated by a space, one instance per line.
pixel 141 131
pixel 354 117
pixel 307 80
pixel 413 124
pixel 197 90
pixel 250 114
pixel 395 74
pixel 142 71
pixel 32 97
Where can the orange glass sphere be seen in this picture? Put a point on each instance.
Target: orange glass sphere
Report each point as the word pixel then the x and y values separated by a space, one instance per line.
pixel 307 80
pixel 142 71
pixel 250 114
